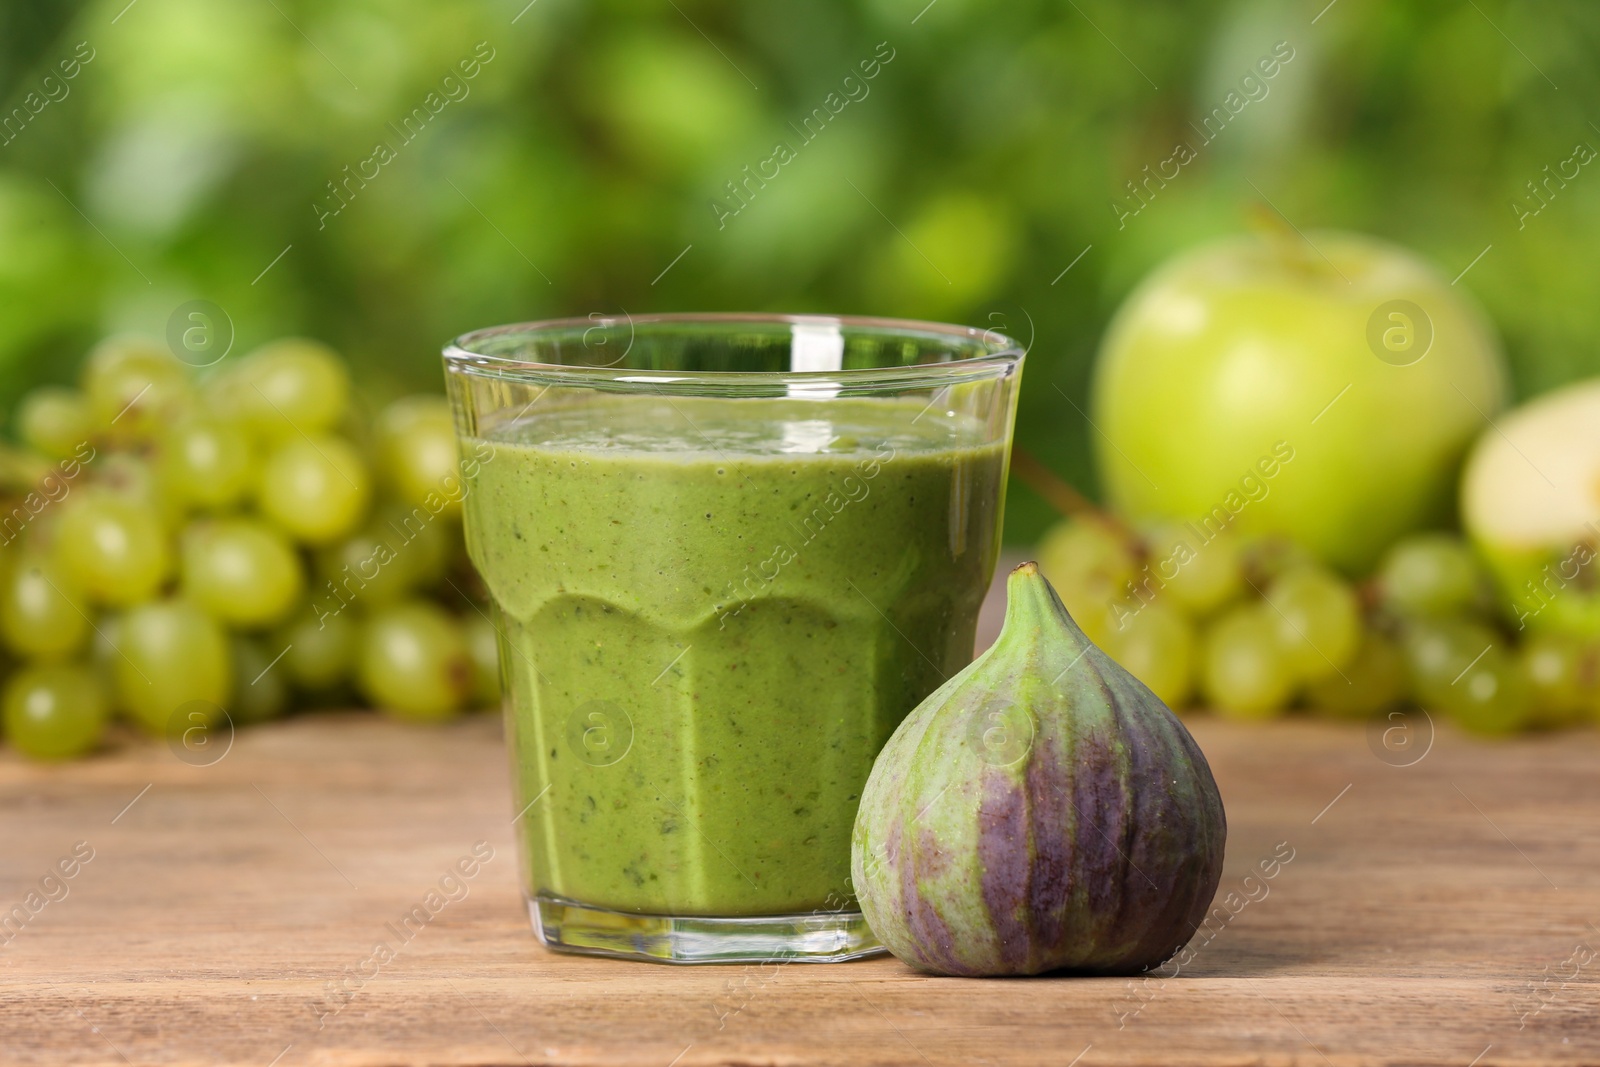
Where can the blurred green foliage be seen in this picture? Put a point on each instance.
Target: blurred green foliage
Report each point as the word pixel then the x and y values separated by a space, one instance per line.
pixel 957 183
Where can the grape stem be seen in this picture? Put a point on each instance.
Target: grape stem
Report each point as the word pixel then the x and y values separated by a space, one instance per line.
pixel 1062 496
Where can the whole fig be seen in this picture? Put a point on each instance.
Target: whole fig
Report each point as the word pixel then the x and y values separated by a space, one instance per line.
pixel 1041 811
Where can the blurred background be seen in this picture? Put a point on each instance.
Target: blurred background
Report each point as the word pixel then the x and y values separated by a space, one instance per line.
pixel 333 169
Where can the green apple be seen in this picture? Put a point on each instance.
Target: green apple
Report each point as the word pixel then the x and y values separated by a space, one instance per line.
pixel 1324 388
pixel 1530 501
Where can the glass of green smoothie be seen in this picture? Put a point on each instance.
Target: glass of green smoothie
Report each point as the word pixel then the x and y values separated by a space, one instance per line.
pixel 727 555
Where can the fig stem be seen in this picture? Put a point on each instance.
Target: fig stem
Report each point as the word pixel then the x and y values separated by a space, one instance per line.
pixel 1030 601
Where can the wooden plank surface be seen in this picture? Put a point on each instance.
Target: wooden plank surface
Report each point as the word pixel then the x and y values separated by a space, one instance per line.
pixel 1427 912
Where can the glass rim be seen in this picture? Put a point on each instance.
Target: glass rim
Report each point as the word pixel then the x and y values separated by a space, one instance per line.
pixel 999 357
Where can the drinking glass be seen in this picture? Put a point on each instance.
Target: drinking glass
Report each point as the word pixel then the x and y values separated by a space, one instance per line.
pixel 727 555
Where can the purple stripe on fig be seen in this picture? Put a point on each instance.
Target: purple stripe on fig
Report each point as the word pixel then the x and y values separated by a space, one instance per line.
pixel 922 920
pixel 1181 806
pixel 1077 828
pixel 1050 887
pixel 934 860
pixel 1101 804
pixel 1006 864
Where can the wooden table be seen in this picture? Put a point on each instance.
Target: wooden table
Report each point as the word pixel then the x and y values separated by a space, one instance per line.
pixel 1439 913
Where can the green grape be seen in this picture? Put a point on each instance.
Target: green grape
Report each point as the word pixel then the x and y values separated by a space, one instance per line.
pixel 1491 696
pixel 130 477
pixel 1200 576
pixel 1431 574
pixel 242 571
pixel 1374 679
pixel 322 648
pixel 168 654
pixel 289 388
pixel 55 711
pixel 361 568
pixel 1318 621
pixel 260 688
pixel 55 422
pixel 316 489
pixel 418 457
pixel 375 567
pixel 116 547
pixel 40 613
pixel 1559 671
pixel 1243 673
pixel 428 544
pixel 134 388
pixel 436 545
pixel 1438 651
pixel 208 464
pixel 483 642
pixel 1156 646
pixel 23 473
pixel 1589 680
pixel 1091 566
pixel 116 354
pixel 1265 558
pixel 103 649
pixel 414 662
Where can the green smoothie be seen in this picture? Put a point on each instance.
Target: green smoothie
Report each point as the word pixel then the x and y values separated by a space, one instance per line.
pixel 714 613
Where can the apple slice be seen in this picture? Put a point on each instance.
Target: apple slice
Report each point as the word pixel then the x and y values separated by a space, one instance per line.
pixel 1530 500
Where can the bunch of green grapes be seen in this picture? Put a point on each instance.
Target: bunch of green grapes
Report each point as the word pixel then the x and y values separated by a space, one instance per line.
pixel 239 540
pixel 1252 628
pixel 1465 653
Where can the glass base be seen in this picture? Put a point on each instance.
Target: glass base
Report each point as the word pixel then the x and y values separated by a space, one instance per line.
pixel 813 937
